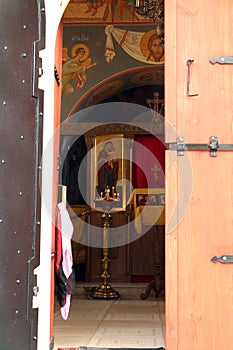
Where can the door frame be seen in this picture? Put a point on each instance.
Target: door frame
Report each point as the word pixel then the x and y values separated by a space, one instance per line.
pixel 53 13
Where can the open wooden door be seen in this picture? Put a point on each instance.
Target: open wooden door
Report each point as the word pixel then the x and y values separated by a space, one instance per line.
pixel 199 185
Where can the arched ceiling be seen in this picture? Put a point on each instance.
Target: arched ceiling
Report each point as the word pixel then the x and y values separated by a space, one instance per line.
pixel 119 83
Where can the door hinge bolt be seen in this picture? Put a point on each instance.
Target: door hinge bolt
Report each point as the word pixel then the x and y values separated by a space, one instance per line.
pixel 180 145
pixel 213 146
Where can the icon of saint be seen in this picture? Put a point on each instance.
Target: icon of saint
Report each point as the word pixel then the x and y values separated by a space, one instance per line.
pixel 107 168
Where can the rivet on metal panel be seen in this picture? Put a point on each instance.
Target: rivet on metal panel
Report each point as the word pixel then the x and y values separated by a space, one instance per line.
pixel 24 55
pixel 16 232
pixel 43 9
pixel 5 47
pixel 35 338
pixel 22 137
pixel 1 221
pixel 3 161
pixel 40 167
pixel 4 103
pixel 24 26
pixel 23 81
pixel 16 311
pixel 18 251
pixel 38 223
pixel 20 193
pixel 41 114
pixel 17 281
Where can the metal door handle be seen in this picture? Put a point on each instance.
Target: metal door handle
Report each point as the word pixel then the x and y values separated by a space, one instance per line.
pixel 189 62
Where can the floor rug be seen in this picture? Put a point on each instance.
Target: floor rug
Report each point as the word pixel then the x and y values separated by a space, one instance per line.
pixel 93 348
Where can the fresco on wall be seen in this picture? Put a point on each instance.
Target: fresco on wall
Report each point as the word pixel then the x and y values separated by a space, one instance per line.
pixel 93 70
pixel 116 84
pixel 108 11
pixel 146 47
pixel 88 11
pixel 74 68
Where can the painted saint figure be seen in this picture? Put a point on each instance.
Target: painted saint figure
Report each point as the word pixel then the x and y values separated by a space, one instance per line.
pixel 74 69
pixel 156 49
pixel 107 168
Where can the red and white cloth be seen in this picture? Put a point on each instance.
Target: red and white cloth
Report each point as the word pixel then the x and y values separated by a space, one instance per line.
pixel 64 258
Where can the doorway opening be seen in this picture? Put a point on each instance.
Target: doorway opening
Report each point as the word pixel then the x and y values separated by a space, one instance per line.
pixel 137 268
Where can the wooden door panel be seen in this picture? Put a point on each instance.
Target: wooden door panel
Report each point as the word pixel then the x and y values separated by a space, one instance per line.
pixel 199 293
pixel 199 30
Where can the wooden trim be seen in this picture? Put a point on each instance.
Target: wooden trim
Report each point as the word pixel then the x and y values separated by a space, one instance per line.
pixel 171 256
pixel 170 70
pixel 171 263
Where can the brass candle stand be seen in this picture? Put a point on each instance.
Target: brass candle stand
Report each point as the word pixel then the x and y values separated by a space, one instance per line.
pixel 105 291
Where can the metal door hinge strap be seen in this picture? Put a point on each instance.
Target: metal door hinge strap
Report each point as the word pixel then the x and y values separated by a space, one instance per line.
pixel 224 259
pixel 222 60
pixel 213 146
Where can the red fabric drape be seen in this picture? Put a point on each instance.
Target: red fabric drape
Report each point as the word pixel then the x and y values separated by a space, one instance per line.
pixel 148 162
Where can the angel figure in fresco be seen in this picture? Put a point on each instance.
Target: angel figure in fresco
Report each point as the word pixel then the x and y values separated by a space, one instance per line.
pixel 74 69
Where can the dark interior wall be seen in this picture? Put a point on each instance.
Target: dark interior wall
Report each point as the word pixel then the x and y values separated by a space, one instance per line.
pixel 70 170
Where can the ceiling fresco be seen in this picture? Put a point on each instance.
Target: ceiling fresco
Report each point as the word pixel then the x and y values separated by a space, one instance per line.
pixel 109 11
pixel 117 84
pixel 108 49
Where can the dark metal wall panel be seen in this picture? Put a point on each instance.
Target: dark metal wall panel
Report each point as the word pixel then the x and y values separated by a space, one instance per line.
pixel 22 26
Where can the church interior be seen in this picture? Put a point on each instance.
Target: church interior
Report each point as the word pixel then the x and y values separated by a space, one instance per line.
pixel 112 155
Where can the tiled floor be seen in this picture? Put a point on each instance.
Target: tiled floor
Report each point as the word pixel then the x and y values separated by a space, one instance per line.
pixel 111 323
